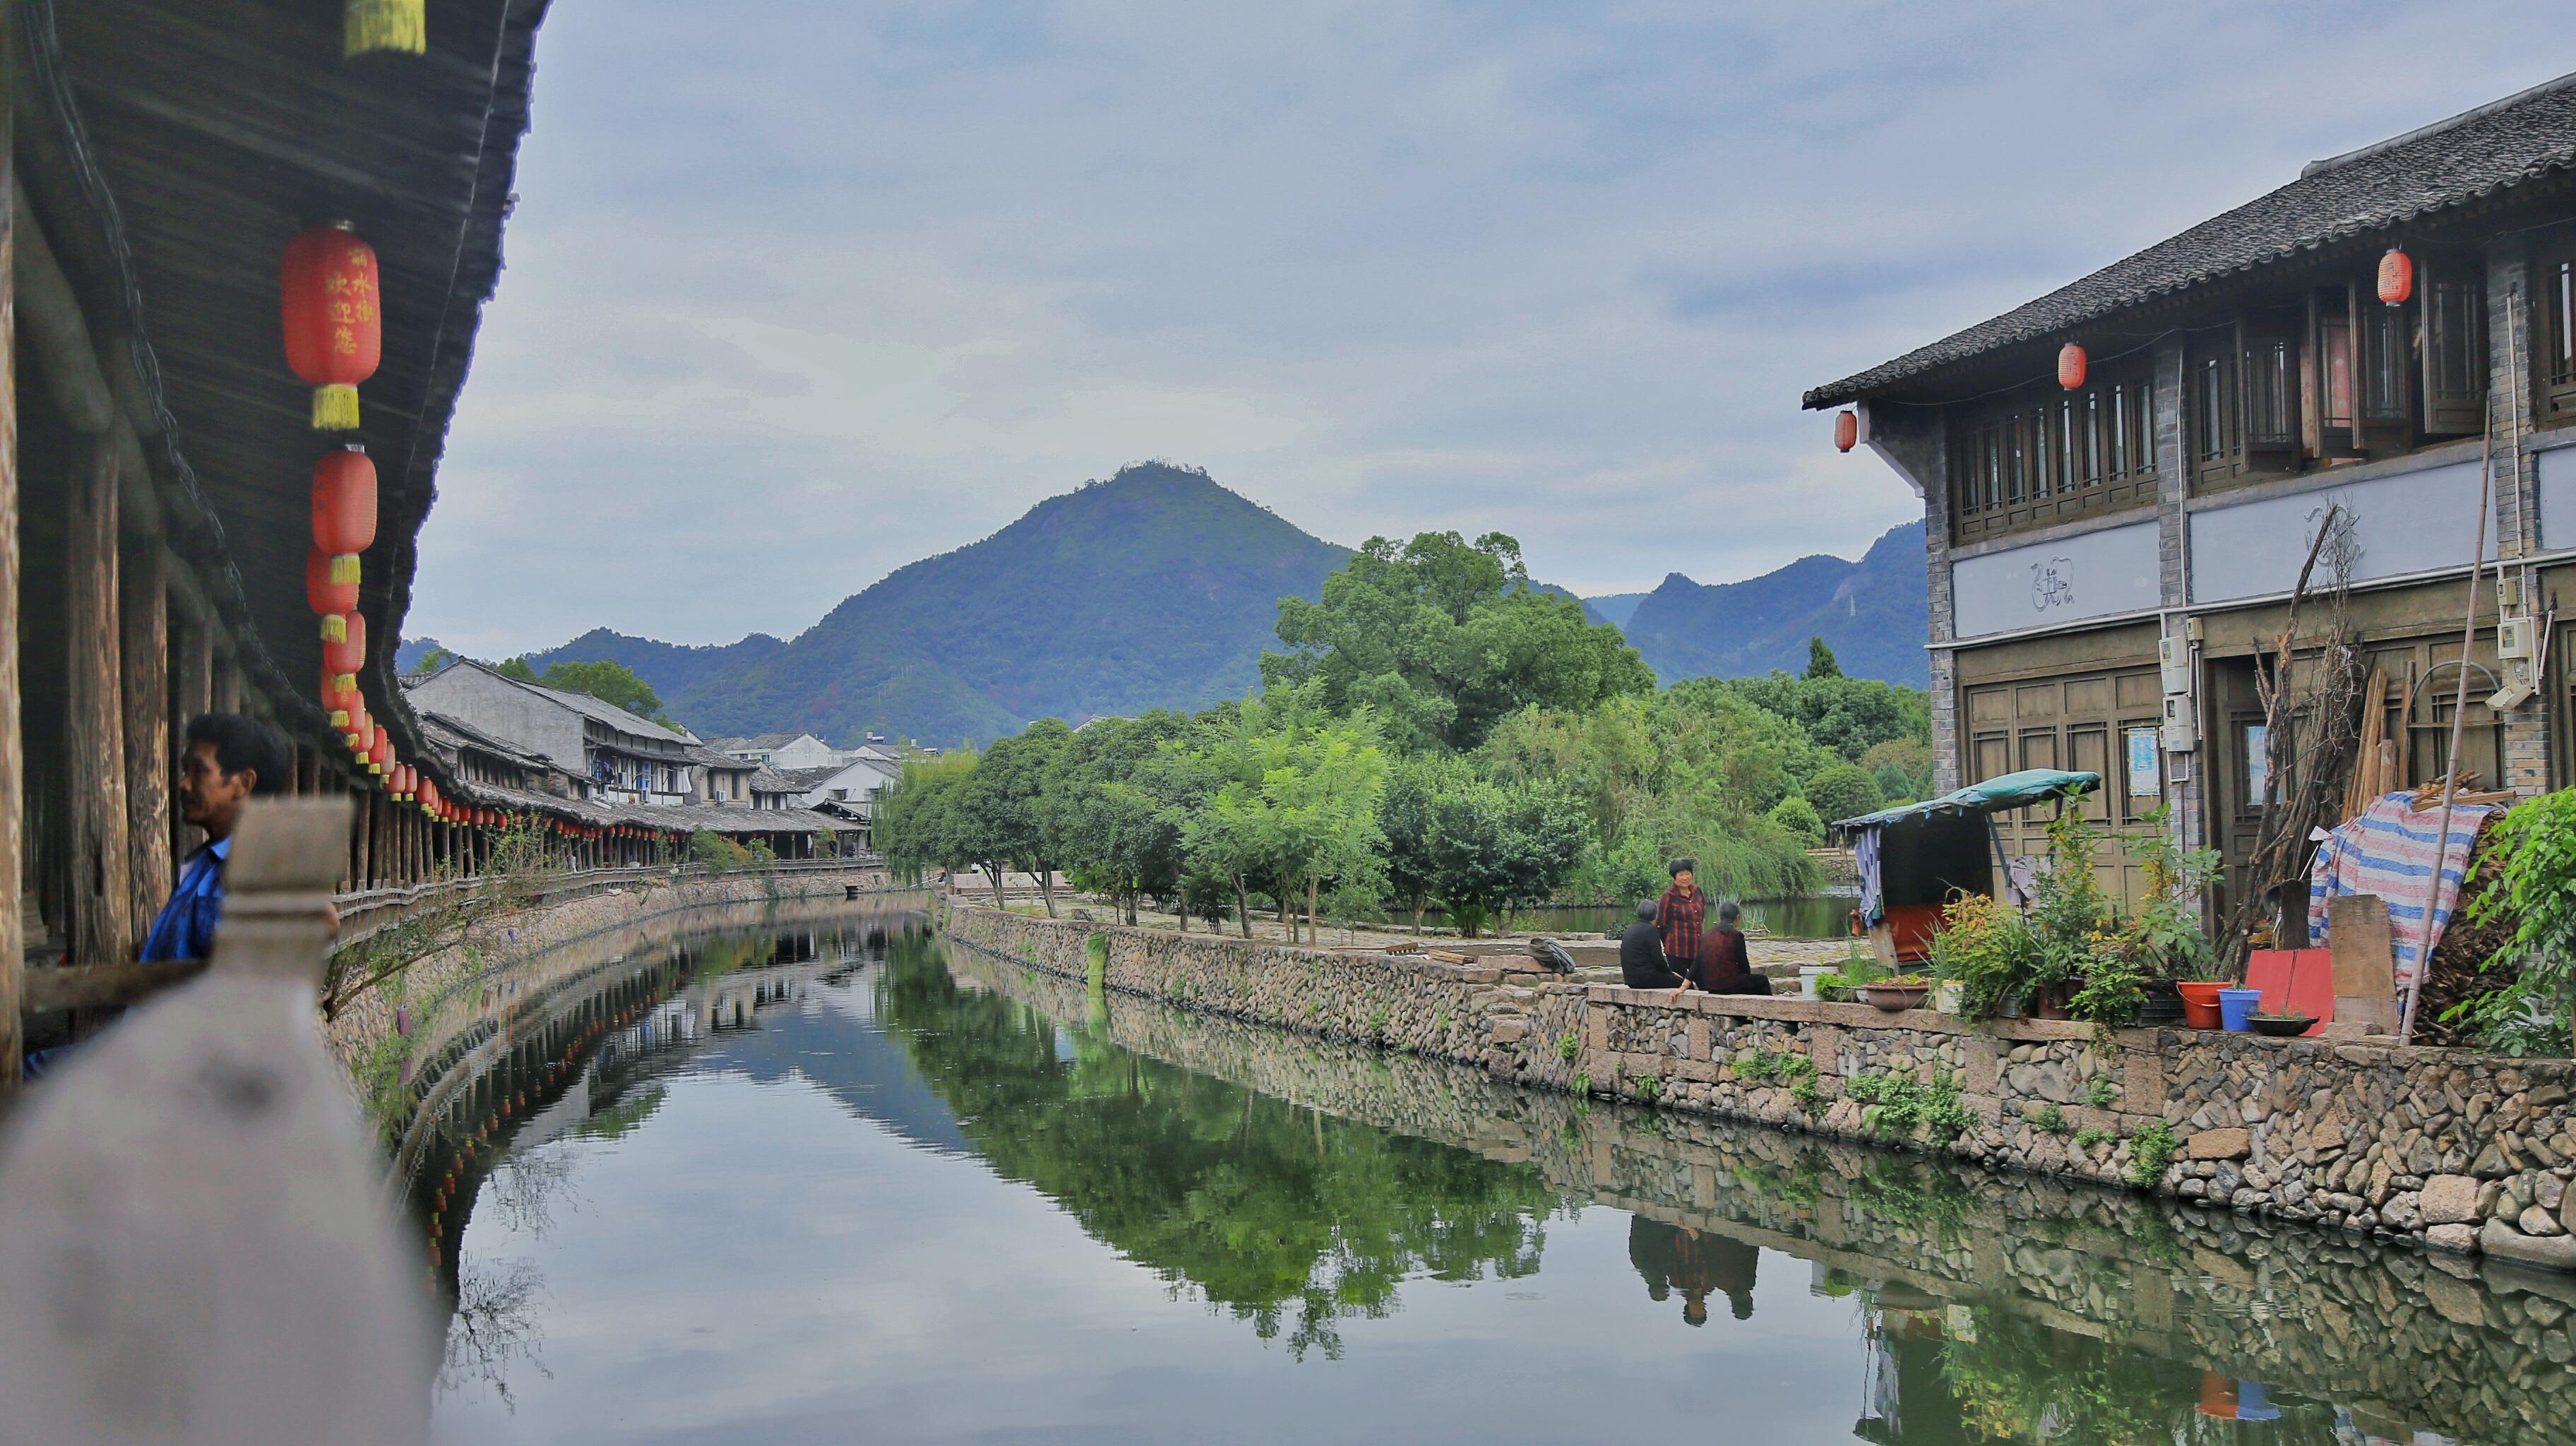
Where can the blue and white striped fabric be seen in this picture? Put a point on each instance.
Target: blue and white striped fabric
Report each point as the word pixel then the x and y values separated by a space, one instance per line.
pixel 2389 851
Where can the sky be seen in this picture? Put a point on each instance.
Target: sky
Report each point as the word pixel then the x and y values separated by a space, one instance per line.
pixel 799 291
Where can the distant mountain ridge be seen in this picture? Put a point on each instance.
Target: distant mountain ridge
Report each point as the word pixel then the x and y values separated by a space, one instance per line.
pixel 1160 588
pixel 1872 613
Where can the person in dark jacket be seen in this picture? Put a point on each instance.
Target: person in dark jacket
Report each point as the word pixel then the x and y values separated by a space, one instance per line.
pixel 1641 953
pixel 1723 966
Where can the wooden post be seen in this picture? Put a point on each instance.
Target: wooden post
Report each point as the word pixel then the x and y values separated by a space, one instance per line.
pixel 194 1244
pixel 362 875
pixel 93 723
pixel 144 661
pixel 192 682
pixel 228 682
pixel 13 776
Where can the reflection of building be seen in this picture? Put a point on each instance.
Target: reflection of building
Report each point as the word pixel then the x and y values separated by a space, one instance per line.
pixel 1905 1396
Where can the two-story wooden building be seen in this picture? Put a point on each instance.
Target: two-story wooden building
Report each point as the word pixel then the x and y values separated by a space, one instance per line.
pixel 2107 559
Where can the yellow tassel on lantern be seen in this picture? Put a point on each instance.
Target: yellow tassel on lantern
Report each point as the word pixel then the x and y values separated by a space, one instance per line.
pixel 344 682
pixel 377 769
pixel 335 409
pixel 335 628
pixel 397 25
pixel 340 719
pixel 344 565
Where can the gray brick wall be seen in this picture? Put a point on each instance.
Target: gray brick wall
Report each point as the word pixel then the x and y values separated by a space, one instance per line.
pixel 2183 772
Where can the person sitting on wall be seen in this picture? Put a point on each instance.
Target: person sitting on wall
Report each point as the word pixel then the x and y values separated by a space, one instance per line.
pixel 1723 966
pixel 1679 913
pixel 1641 953
pixel 230 760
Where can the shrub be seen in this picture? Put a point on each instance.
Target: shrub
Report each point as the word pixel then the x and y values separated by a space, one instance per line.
pixel 1845 790
pixel 2151 1148
pixel 2047 1118
pixel 1798 819
pixel 1988 947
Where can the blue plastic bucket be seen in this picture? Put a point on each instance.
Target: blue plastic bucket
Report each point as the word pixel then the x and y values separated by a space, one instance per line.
pixel 2236 1008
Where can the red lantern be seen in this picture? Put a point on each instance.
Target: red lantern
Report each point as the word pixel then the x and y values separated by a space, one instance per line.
pixel 2396 277
pixel 326 596
pixel 347 653
pixel 334 319
pixel 338 701
pixel 2070 366
pixel 427 788
pixel 360 729
pixel 1846 430
pixel 404 784
pixel 344 511
pixel 380 751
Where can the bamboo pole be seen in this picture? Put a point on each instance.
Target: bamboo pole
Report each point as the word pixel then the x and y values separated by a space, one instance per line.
pixel 102 900
pixel 2460 699
pixel 13 776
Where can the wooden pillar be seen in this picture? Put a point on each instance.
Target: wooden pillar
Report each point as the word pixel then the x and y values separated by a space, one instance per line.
pixel 93 716
pixel 362 868
pixel 192 682
pixel 144 662
pixel 13 780
pixel 228 682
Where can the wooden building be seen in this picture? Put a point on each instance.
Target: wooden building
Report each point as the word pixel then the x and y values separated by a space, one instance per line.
pixel 2109 558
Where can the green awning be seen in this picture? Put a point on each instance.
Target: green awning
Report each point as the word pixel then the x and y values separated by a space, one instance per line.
pixel 1995 795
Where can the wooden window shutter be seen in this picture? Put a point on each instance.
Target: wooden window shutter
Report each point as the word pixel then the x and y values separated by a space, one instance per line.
pixel 2451 292
pixel 2268 375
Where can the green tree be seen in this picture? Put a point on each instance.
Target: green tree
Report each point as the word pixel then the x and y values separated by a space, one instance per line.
pixel 1298 797
pixel 515 668
pixel 1493 848
pixel 1114 803
pixel 1798 818
pixel 1820 660
pixel 1441 639
pixel 609 683
pixel 1844 791
pixel 1404 822
pixel 434 660
pixel 1846 715
pixel 921 822
pixel 1008 797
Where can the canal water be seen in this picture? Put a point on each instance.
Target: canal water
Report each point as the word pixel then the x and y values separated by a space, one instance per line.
pixel 832 1179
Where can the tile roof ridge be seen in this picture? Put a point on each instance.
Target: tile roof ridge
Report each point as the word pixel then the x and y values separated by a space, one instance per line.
pixel 2473 113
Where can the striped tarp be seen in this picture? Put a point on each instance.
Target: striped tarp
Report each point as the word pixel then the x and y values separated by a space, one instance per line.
pixel 2389 851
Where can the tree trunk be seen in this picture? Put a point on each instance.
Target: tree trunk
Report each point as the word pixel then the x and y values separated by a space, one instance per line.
pixel 1417 914
pixel 94 722
pixel 1046 889
pixel 1314 934
pixel 1131 907
pixel 994 872
pixel 1242 907
pixel 1287 916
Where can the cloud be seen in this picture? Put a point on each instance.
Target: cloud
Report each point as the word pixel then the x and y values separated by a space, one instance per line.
pixel 798 298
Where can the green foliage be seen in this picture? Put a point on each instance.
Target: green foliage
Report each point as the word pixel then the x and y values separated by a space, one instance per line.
pixel 1493 846
pixel 2100 1094
pixel 2163 938
pixel 1844 791
pixel 1804 1089
pixel 1896 1104
pixel 715 851
pixel 2085 1140
pixel 609 683
pixel 2047 1118
pixel 1582 1084
pixel 1847 716
pixel 1650 1087
pixel 2151 1149
pixel 1798 818
pixel 434 660
pixel 1443 638
pixel 1902 766
pixel 515 668
pixel 1988 947
pixel 1567 1046
pixel 2528 1013
pixel 1820 660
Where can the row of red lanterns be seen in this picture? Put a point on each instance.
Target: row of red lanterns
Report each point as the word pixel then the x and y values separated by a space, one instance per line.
pixel 2396 286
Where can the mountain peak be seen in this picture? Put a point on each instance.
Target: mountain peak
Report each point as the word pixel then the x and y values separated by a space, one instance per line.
pixel 1871 613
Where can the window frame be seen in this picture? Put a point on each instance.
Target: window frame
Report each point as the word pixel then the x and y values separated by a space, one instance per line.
pixel 2016 461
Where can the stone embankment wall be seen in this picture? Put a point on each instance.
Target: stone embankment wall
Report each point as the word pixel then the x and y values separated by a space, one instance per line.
pixel 2463 1152
pixel 487 940
pixel 2477 1350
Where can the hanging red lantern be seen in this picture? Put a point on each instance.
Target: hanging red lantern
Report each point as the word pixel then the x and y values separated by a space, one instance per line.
pixel 380 751
pixel 347 653
pixel 334 319
pixel 344 510
pixel 2396 277
pixel 427 788
pixel 337 700
pixel 2070 366
pixel 1846 430
pixel 324 595
pixel 405 786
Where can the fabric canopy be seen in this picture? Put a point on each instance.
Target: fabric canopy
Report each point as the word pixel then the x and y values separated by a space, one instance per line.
pixel 1995 795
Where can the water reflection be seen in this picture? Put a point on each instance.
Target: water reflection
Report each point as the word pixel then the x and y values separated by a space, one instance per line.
pixel 1422 1252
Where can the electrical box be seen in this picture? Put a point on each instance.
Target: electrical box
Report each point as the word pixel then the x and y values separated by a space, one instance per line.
pixel 2182 730
pixel 2514 639
pixel 2173 660
pixel 2508 592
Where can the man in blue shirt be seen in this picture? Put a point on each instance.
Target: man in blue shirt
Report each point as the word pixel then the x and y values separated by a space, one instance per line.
pixel 230 760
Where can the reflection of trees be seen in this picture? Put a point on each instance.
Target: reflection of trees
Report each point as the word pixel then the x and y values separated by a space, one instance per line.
pixel 620 1119
pixel 1276 1214
pixel 2014 1379
pixel 526 1186
pixel 494 1325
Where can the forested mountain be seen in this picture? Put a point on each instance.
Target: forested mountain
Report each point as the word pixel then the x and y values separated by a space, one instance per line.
pixel 1156 588
pixel 1871 613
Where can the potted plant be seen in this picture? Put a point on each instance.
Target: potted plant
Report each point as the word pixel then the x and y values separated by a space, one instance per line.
pixel 1987 947
pixel 2165 934
pixel 1896 993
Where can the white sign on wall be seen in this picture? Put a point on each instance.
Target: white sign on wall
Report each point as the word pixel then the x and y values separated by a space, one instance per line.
pixel 2088 575
pixel 2407 523
pixel 2556 469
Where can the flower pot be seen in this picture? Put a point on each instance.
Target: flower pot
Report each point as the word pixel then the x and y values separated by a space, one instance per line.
pixel 1894 998
pixel 2281 1026
pixel 2200 1003
pixel 1948 996
pixel 2236 1008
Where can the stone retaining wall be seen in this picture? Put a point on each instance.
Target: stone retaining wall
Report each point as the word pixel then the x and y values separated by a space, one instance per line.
pixel 2463 1152
pixel 2478 1351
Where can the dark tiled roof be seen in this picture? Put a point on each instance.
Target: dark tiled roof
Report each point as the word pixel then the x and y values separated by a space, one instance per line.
pixel 2446 164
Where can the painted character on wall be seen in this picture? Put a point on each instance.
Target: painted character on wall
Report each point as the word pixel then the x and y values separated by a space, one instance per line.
pixel 2052 583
